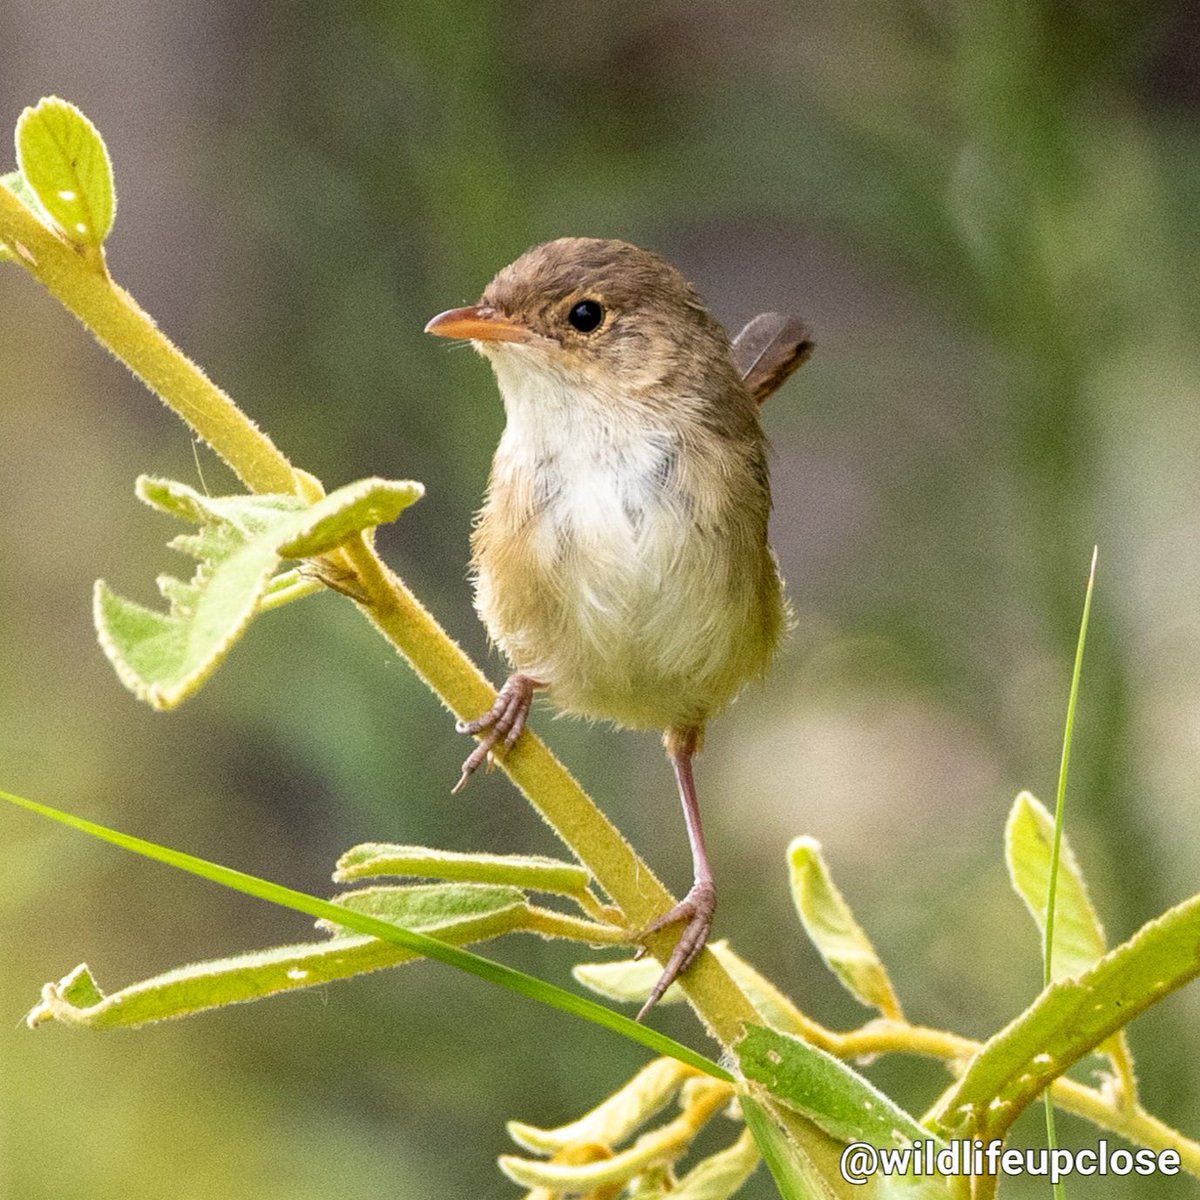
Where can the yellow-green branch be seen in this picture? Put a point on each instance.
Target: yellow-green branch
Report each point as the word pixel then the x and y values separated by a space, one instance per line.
pixel 125 329
pixel 83 286
pixel 120 325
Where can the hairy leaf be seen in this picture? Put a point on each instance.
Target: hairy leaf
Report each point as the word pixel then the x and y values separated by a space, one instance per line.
pixel 163 658
pixel 532 871
pixel 796 1175
pixel 1070 1018
pixel 616 1118
pixel 823 1089
pixel 1078 935
pixel 838 937
pixel 65 162
pixel 629 981
pixel 456 914
pixel 806 1160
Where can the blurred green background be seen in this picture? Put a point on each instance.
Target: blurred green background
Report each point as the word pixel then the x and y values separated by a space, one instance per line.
pixel 987 211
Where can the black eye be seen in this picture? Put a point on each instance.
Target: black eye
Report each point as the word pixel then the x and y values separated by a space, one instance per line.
pixel 586 315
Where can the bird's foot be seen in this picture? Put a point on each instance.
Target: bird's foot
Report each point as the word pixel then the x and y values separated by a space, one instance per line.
pixel 501 725
pixel 697 909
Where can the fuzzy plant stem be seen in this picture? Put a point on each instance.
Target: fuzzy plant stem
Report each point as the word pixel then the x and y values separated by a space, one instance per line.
pixel 121 326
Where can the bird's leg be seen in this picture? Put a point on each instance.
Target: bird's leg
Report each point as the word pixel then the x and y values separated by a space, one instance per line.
pixel 503 722
pixel 699 905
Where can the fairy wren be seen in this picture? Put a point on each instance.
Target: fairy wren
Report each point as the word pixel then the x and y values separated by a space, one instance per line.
pixel 621 559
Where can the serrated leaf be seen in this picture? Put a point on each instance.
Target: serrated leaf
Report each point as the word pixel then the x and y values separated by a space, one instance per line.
pixel 244 515
pixel 824 1089
pixel 1078 934
pixel 838 937
pixel 1068 1020
pixel 65 162
pixel 165 657
pixel 357 506
pixel 530 871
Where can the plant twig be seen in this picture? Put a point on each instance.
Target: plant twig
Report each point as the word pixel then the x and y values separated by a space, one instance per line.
pixel 125 329
pixel 120 325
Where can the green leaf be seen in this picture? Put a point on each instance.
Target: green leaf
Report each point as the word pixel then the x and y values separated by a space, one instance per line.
pixel 19 186
pixel 202 986
pixel 838 937
pixel 244 515
pixel 807 1162
pixel 824 1089
pixel 617 1117
pixel 531 871
pixel 1070 1018
pixel 448 913
pixel 597 1168
pixel 629 981
pixel 1078 934
pixel 431 905
pixel 719 1175
pixel 163 658
pixel 796 1175
pixel 357 506
pixel 66 164
pixel 418 943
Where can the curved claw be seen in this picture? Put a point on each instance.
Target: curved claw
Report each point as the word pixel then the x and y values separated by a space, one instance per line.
pixel 502 723
pixel 697 909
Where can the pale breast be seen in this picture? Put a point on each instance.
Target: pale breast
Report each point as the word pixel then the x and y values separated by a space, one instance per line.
pixel 600 572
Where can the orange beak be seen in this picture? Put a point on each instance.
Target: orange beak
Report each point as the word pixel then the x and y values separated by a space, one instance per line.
pixel 480 324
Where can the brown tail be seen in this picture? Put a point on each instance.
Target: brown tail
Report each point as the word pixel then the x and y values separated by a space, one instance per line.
pixel 768 350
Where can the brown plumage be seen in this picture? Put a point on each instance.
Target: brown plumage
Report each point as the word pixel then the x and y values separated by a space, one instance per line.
pixel 621 558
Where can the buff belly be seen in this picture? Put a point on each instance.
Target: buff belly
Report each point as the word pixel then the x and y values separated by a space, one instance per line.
pixel 610 591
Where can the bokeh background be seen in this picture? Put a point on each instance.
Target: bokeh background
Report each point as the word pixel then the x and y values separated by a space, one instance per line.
pixel 986 210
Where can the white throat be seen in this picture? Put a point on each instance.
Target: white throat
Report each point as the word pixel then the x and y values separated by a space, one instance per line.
pixel 583 450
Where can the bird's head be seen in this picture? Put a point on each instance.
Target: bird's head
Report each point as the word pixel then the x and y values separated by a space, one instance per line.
pixel 599 316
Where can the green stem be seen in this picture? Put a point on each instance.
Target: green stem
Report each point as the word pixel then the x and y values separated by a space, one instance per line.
pixel 286 587
pixel 546 922
pixel 545 783
pixel 124 328
pixel 120 325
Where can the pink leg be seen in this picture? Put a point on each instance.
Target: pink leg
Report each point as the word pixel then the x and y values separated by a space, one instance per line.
pixel 699 905
pixel 503 722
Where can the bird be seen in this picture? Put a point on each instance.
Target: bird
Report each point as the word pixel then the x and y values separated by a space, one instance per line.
pixel 620 559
